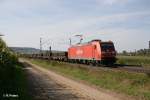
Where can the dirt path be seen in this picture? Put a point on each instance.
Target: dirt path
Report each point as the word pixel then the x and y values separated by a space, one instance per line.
pixel 47 85
pixel 43 87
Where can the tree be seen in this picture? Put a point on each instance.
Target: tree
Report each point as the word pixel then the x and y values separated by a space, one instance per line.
pixel 124 52
pixel 6 56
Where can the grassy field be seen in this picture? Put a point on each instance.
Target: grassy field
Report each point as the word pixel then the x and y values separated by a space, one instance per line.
pixel 133 84
pixel 134 60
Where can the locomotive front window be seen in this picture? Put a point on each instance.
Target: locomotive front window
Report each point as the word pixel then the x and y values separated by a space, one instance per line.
pixel 107 47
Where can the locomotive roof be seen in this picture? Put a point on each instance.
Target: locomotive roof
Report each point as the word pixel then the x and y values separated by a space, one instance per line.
pixel 96 40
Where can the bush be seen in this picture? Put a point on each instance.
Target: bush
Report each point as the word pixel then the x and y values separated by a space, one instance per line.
pixel 8 62
pixel 7 57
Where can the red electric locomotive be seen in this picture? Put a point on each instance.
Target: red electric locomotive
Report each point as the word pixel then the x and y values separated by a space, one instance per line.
pixel 95 52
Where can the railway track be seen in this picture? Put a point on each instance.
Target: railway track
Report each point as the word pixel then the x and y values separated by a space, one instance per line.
pixel 135 69
pixel 129 68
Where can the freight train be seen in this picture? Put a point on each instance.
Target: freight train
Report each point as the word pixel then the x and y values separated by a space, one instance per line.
pixel 94 52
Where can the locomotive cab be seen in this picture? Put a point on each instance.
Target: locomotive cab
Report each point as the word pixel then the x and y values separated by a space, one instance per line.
pixel 108 53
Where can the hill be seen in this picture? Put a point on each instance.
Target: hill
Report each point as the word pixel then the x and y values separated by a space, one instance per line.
pixel 24 50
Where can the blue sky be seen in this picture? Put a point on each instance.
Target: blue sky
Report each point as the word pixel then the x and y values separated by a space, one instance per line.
pixel 125 22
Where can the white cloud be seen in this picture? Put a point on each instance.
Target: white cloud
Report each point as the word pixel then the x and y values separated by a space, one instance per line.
pixel 68 28
pixel 22 19
pixel 111 2
pixel 76 25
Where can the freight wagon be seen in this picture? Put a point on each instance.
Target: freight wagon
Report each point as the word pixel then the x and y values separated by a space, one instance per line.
pixel 94 52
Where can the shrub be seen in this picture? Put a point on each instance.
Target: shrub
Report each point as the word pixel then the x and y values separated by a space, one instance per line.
pixel 7 57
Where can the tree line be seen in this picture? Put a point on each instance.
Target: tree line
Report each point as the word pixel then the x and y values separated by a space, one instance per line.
pixel 141 52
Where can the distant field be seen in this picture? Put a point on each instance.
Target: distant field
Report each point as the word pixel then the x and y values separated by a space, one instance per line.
pixel 134 60
pixel 133 84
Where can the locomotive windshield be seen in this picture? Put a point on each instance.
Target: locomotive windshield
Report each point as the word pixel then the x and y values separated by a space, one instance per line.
pixel 107 47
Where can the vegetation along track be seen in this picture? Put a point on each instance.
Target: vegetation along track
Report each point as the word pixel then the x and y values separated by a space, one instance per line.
pixel 122 67
pixel 135 69
pixel 129 68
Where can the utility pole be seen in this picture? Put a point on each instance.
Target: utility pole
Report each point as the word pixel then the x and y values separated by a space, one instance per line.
pixel 70 41
pixel 50 51
pixel 40 45
pixel 149 45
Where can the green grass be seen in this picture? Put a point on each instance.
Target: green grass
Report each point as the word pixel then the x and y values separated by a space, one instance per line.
pixel 13 82
pixel 133 84
pixel 134 60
